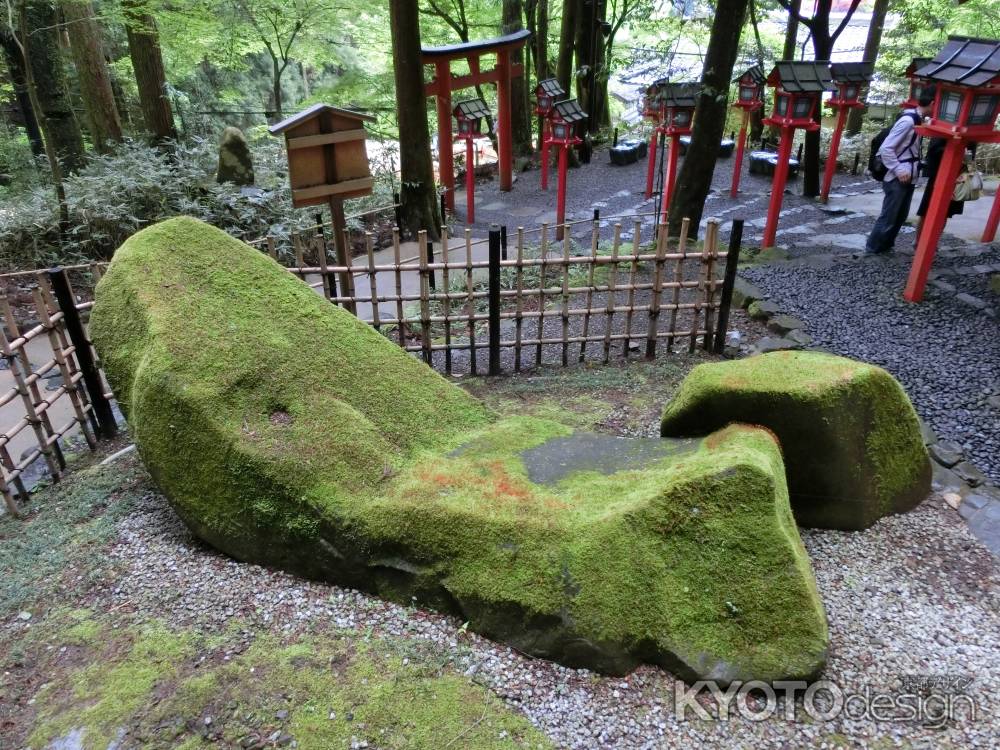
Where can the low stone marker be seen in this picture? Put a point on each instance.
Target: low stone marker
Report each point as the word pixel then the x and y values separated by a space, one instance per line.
pixel 288 433
pixel 235 162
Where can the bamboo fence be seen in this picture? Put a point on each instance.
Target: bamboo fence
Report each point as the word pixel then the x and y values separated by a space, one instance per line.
pixel 459 305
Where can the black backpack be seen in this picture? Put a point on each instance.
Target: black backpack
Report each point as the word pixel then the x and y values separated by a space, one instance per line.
pixel 876 168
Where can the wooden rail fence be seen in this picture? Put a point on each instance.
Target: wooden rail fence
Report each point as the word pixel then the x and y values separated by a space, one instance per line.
pixel 636 290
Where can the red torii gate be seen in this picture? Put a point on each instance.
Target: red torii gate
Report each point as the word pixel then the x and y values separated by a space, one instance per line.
pixel 444 83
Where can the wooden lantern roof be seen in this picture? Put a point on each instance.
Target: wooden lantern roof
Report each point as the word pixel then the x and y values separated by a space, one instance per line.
pixel 653 88
pixel 679 95
pixel 569 111
pixel 802 77
pixel 550 87
pixel 315 111
pixel 916 64
pixel 852 72
pixel 965 61
pixel 755 74
pixel 471 109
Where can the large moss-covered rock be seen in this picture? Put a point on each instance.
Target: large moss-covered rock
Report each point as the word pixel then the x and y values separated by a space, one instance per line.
pixel 286 432
pixel 851 439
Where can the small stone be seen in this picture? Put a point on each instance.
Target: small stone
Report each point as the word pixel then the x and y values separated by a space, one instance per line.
pixel 281 715
pixel 773 344
pixel 995 283
pixel 969 474
pixel 799 337
pixel 953 499
pixel 208 721
pixel 945 453
pixel 761 309
pixel 24 616
pixel 782 324
pixel 970 300
pixel 235 163
pixel 744 293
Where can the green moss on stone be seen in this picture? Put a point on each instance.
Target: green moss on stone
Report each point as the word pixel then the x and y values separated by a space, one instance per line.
pixel 851 439
pixel 286 432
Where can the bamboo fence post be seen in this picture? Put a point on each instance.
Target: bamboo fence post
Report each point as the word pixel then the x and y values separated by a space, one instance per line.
pixel 400 324
pixel 595 238
pixel 272 249
pixel 58 352
pixel 471 303
pixel 372 282
pixel 543 245
pixel 95 270
pixel 20 371
pixel 7 464
pixel 633 272
pixel 678 281
pixel 496 251
pixel 519 308
pixel 300 262
pixel 711 248
pixel 612 282
pixel 347 281
pixel 425 312
pixel 565 296
pixel 446 281
pixel 654 303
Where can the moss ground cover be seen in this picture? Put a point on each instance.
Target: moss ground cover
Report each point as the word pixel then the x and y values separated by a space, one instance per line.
pixel 285 432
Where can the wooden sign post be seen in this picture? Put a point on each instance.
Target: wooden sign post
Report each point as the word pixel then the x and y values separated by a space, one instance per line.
pixel 328 163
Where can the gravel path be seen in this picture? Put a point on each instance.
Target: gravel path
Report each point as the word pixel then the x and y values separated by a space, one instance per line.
pixel 914 595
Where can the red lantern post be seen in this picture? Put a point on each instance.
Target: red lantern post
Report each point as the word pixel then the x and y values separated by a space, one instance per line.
pixel 469 115
pixel 547 92
pixel 917 83
pixel 678 101
pixel 798 87
pixel 750 98
pixel 848 78
pixel 563 117
pixel 966 106
pixel 990 233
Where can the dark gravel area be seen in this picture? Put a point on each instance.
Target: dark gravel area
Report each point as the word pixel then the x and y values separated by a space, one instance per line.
pixel 946 353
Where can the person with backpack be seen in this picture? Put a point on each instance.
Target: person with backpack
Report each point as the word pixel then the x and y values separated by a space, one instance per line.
pixel 896 162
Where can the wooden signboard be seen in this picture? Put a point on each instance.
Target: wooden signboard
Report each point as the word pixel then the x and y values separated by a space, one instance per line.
pixel 328 163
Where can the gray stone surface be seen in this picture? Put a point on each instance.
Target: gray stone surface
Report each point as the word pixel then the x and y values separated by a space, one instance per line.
pixel 969 474
pixel 782 324
pixel 235 162
pixel 556 459
pixel 763 309
pixel 774 344
pixel 744 293
pixel 946 453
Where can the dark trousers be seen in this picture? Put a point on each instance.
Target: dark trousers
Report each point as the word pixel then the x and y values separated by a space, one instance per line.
pixel 895 209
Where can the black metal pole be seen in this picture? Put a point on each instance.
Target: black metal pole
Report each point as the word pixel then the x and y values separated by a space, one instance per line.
pixel 494 299
pixel 728 281
pixel 430 259
pixel 397 210
pixel 106 425
pixel 503 242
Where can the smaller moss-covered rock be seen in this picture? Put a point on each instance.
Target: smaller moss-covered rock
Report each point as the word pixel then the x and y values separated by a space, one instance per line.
pixel 235 162
pixel 851 439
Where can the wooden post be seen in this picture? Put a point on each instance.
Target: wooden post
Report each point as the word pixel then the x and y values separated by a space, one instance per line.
pixel 519 300
pixel 343 251
pixel 446 166
pixel 470 184
pixel 561 196
pixel 471 300
pixel 654 303
pixel 447 301
pixel 425 311
pixel 494 299
pixel 651 165
pixel 831 158
pixel 778 187
pixel 107 427
pixel 543 251
pixel 740 146
pixel 565 300
pixel 431 280
pixel 545 157
pixel 728 282
pixel 937 215
pixel 504 141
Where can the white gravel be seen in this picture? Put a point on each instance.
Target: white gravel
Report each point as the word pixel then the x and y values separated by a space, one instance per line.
pixel 914 595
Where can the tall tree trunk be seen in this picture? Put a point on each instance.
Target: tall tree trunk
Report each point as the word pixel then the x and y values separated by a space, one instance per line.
pixel 150 77
pixel 542 40
pixel 695 177
pixel 877 23
pixel 417 194
pixel 92 71
pixel 792 31
pixel 48 78
pixel 567 42
pixel 276 70
pixel 822 47
pixel 30 54
pixel 520 114
pixel 14 61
